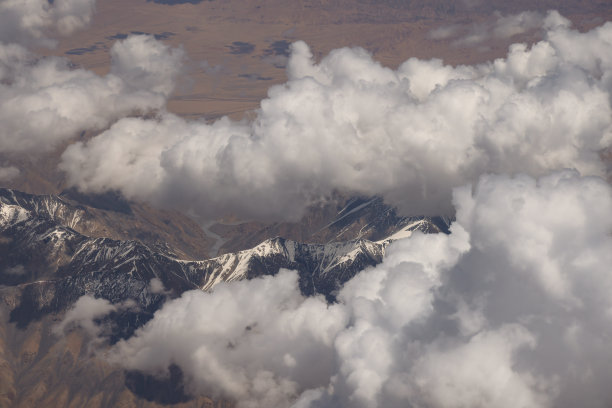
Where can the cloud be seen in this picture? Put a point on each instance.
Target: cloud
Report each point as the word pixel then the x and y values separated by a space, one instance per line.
pixel 46 101
pixel 502 28
pixel 513 308
pixel 347 123
pixel 83 313
pixel 288 333
pixel 33 22
pixel 146 64
pixel 8 173
pixel 157 286
pixel 477 373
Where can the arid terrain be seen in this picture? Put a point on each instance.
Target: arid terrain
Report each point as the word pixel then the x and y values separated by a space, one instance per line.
pixel 237 49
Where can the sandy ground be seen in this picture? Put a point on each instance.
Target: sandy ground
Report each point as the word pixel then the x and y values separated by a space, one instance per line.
pixel 236 49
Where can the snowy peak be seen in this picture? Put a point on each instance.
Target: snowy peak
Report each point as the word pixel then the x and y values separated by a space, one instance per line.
pixel 32 206
pixel 52 263
pixel 323 266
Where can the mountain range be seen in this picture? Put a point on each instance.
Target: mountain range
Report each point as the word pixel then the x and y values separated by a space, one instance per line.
pixel 53 251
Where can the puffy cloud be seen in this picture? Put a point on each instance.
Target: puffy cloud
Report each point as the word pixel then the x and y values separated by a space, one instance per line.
pixel 348 123
pixel 259 347
pixel 83 313
pixel 31 22
pixel 476 373
pixel 513 308
pixel 45 101
pixel 146 64
pixel 157 286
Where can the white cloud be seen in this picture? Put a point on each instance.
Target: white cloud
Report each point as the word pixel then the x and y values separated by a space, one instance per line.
pixel 513 308
pixel 146 64
pixel 157 286
pixel 32 22
pixel 348 123
pixel 476 373
pixel 504 26
pixel 45 101
pixel 83 313
pixel 289 338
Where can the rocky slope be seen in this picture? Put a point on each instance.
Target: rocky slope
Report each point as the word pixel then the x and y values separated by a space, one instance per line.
pixel 48 261
pixel 45 257
pixel 109 215
pixel 342 218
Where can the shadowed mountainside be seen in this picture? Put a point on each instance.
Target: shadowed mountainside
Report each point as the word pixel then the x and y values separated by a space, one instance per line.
pixel 47 263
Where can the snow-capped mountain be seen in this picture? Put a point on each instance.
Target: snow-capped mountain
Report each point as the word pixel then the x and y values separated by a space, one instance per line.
pixel 322 267
pixel 343 218
pixel 49 262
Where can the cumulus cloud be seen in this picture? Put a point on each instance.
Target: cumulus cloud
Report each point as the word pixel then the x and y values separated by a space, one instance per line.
pixel 347 123
pixel 146 64
pixel 45 101
pixel 33 22
pixel 157 286
pixel 512 309
pixel 83 313
pixel 291 335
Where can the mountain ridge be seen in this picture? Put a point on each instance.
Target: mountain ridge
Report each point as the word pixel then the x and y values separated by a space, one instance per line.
pixel 47 263
pixel 53 264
